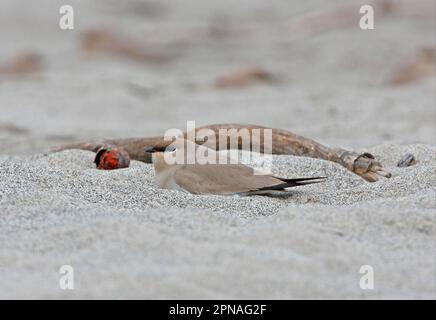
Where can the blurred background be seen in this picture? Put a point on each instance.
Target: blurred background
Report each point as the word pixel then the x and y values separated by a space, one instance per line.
pixel 138 67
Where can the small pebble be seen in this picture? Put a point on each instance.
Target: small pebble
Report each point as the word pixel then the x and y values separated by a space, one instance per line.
pixel 407 160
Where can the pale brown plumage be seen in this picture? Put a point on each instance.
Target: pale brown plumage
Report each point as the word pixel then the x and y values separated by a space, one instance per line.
pixel 224 179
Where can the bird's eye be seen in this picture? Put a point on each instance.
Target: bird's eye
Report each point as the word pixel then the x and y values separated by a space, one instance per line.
pixel 170 149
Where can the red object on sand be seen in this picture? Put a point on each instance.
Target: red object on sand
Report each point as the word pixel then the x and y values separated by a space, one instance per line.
pixel 110 158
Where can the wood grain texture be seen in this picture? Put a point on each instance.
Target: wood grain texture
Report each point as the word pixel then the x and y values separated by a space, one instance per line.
pixel 283 142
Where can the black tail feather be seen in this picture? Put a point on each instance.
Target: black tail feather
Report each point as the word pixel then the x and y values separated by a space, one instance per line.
pixel 302 179
pixel 288 183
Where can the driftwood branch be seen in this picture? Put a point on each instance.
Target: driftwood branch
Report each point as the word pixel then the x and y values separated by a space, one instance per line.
pixel 283 142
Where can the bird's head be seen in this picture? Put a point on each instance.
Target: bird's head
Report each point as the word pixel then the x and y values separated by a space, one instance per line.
pixel 164 146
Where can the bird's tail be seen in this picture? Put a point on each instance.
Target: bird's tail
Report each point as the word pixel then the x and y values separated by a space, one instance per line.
pixel 288 183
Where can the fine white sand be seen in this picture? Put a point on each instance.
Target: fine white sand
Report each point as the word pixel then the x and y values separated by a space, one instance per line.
pixel 126 238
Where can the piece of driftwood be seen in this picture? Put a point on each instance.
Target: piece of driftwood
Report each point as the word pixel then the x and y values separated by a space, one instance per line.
pixel 244 77
pixel 283 142
pixel 21 64
pixel 420 65
pixel 348 15
pixel 101 41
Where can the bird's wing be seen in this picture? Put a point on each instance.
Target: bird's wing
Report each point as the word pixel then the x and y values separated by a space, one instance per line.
pixel 222 179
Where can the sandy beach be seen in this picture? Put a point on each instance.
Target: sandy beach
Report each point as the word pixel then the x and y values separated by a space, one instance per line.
pixel 127 238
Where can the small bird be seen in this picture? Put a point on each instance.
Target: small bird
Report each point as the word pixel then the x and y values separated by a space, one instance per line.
pixel 218 179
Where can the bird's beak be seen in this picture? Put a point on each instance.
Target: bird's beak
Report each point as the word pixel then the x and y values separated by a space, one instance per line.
pixel 150 150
